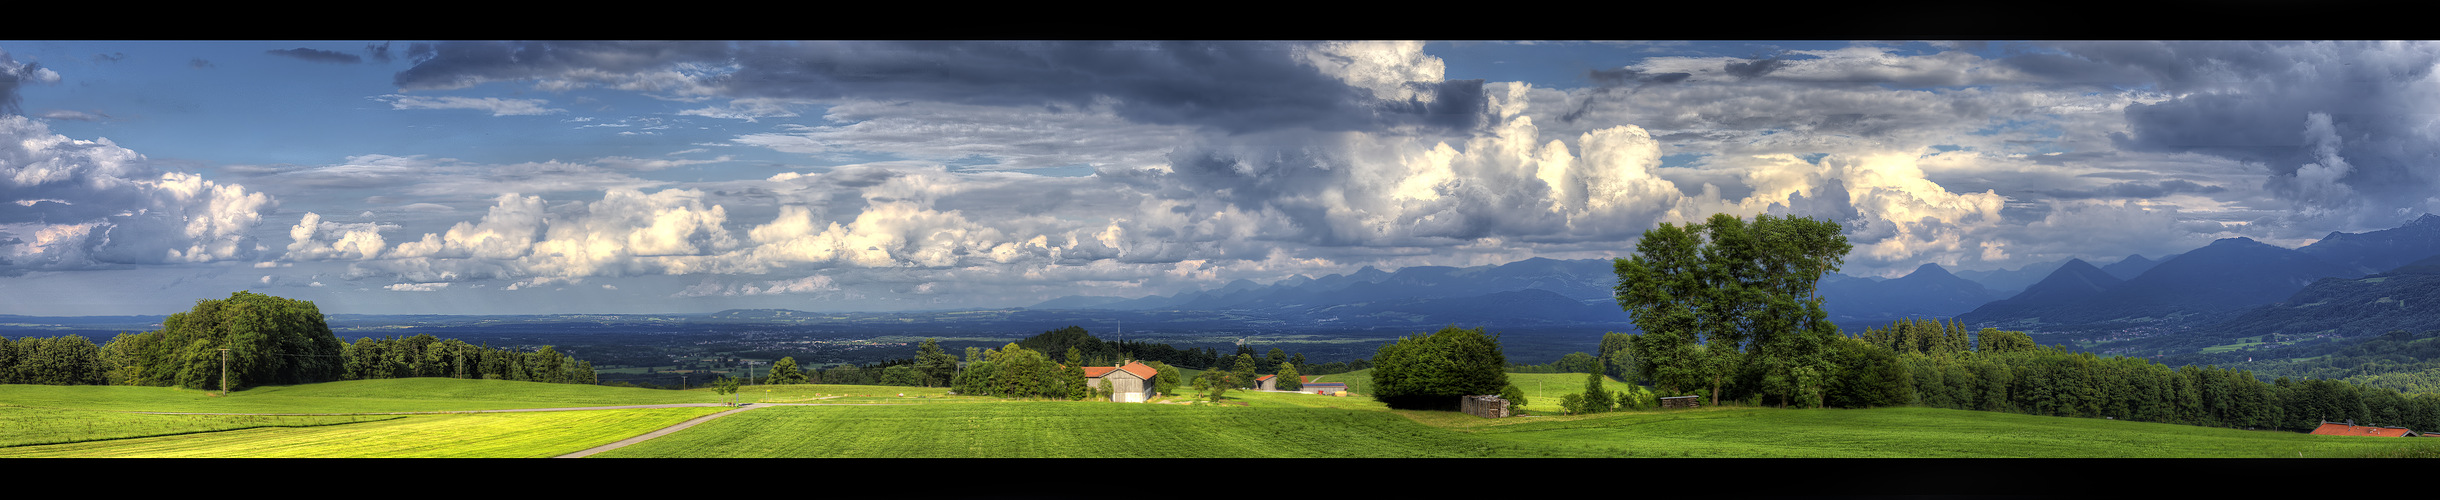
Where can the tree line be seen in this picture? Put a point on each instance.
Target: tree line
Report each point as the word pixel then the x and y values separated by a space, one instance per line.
pixel 1045 355
pixel 1943 365
pixel 251 339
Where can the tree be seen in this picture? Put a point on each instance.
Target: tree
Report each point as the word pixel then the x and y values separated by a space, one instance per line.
pixel 1596 398
pixel 785 371
pixel 1217 381
pixel 937 366
pixel 270 340
pixel 1167 379
pixel 1289 379
pixel 1242 376
pixel 1432 371
pixel 901 375
pixel 1996 341
pixel 725 386
pixel 1515 396
pixel 1579 362
pixel 1743 292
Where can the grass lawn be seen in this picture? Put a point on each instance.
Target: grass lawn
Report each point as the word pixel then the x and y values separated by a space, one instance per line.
pixel 1056 429
pixel 90 421
pixel 471 435
pixel 21 426
pixel 1919 433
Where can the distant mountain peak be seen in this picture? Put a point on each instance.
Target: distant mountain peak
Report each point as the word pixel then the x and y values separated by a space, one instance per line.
pixel 2240 240
pixel 1930 270
pixel 2426 220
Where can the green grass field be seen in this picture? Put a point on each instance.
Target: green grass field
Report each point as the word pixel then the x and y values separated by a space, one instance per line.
pixel 470 435
pixel 893 422
pixel 21 426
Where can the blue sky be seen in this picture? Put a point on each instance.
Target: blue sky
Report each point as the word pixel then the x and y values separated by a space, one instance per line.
pixel 544 177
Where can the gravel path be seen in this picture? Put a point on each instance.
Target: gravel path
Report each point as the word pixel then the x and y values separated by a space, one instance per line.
pixel 663 432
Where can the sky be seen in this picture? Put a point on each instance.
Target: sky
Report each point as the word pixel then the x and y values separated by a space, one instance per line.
pixel 476 177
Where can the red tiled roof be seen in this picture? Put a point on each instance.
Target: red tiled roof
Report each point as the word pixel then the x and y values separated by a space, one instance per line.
pixel 1265 377
pixel 2339 429
pixel 1137 368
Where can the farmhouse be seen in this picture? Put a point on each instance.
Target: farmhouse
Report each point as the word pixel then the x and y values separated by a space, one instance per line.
pixel 2350 429
pixel 1129 383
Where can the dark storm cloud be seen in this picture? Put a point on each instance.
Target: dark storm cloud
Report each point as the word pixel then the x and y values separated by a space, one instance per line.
pixel 2345 129
pixel 318 55
pixel 1608 81
pixel 380 53
pixel 1232 86
pixel 2137 190
pixel 1755 68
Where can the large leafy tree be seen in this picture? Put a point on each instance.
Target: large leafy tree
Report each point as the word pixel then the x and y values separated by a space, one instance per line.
pixel 1432 371
pixel 936 365
pixel 1717 297
pixel 270 340
pixel 785 371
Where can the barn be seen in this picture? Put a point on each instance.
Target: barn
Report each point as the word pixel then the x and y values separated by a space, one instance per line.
pixel 1129 383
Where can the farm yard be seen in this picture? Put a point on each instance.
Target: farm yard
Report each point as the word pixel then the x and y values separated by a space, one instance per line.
pixel 838 421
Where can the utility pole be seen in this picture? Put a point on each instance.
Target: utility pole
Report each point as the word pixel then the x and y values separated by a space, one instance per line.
pixel 224 372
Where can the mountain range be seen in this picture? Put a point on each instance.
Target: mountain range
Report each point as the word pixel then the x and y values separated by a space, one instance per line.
pixel 2212 284
pixel 2215 283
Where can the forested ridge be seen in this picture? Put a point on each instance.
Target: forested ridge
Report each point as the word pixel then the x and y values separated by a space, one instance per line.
pixel 256 340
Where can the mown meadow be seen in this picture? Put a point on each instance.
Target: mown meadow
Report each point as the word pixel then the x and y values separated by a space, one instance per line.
pixel 842 421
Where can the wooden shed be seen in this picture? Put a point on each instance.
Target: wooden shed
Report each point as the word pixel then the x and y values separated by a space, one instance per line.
pixel 1486 406
pixel 1682 402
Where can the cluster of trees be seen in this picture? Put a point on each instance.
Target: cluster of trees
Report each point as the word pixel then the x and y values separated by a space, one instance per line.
pixel 1016 372
pixel 2004 371
pixel 264 340
pixel 426 356
pixel 1726 298
pixel 63 360
pixel 1432 371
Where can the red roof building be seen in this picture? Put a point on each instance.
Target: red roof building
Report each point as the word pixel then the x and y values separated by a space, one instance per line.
pixel 1130 383
pixel 2341 429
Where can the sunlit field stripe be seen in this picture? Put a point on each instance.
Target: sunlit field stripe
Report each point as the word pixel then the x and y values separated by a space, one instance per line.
pixel 480 435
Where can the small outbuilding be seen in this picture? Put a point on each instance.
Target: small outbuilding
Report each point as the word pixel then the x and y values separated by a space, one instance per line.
pixel 1486 406
pixel 1682 402
pixel 1266 383
pixel 1325 388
